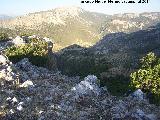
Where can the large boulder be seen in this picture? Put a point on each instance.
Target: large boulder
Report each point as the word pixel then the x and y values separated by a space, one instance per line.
pixel 27 83
pixel 18 41
pixel 88 86
pixel 3 59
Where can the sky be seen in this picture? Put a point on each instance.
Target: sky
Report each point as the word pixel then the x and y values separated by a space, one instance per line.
pixel 21 7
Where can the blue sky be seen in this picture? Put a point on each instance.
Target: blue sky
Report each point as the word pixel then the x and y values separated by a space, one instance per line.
pixel 20 7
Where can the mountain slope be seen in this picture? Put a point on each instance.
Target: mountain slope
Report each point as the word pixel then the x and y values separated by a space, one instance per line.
pixel 123 48
pixel 73 25
pixel 116 55
pixel 131 22
pixel 65 25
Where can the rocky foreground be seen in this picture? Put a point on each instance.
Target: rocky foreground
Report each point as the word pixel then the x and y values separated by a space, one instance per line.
pixel 28 92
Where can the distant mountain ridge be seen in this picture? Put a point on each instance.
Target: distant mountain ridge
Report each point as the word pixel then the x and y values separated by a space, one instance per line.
pixel 5 17
pixel 73 25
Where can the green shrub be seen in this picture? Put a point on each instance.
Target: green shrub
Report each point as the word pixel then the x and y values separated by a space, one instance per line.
pixel 35 50
pixel 147 77
pixel 3 37
pixel 117 85
pixel 25 34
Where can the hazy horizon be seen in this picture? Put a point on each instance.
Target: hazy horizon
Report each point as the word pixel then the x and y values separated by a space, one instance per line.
pixel 16 7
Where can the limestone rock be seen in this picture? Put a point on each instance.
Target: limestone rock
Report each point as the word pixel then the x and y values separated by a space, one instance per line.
pixel 18 41
pixel 6 72
pixel 3 59
pixel 87 86
pixel 27 84
pixel 57 96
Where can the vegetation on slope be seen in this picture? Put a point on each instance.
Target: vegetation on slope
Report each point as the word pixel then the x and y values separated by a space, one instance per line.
pixel 35 50
pixel 79 61
pixel 120 52
pixel 147 77
pixel 3 37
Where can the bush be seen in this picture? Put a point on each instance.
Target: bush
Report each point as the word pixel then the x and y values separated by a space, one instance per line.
pixel 25 34
pixel 147 77
pixel 3 37
pixel 117 85
pixel 35 50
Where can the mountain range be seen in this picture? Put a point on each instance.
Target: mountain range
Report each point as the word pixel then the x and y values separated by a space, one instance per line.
pixel 73 25
pixel 5 17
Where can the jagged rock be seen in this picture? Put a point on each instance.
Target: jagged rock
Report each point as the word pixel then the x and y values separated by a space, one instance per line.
pixel 119 111
pixel 91 78
pixel 87 86
pixel 24 76
pixel 27 83
pixel 139 95
pixel 6 72
pixel 14 100
pixel 8 99
pixel 151 117
pixel 4 45
pixel 24 64
pixel 56 96
pixel 20 107
pixel 29 71
pixel 3 59
pixel 35 75
pixel 140 115
pixel 11 111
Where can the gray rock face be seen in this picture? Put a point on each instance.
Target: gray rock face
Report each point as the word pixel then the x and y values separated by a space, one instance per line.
pixel 45 95
pixel 24 64
pixel 29 71
pixel 88 86
pixel 6 72
pixel 140 115
pixel 139 95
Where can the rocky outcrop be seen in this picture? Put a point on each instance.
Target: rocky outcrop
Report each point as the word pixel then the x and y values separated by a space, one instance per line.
pixel 46 95
pixel 4 45
pixel 18 41
pixel 7 72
